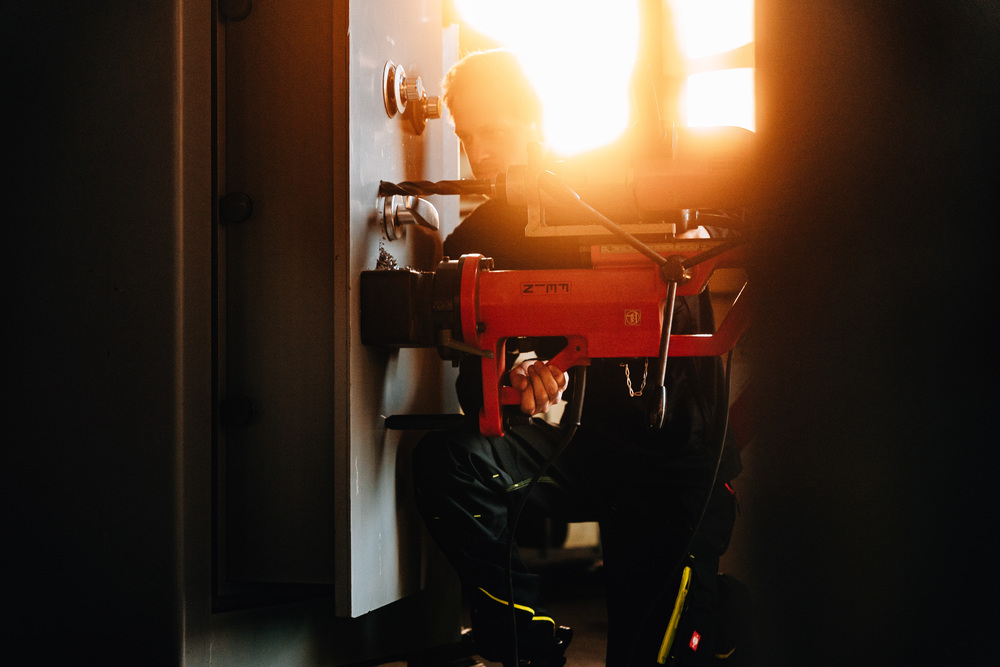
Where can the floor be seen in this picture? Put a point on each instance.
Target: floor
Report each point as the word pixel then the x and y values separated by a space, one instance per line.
pixel 574 594
pixel 573 590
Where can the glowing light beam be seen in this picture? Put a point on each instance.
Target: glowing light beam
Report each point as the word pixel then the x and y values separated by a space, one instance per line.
pixel 579 54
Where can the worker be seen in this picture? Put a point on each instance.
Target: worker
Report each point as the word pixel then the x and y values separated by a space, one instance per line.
pixel 645 487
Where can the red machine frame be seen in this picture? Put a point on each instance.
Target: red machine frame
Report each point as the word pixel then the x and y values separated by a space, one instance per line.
pixel 622 297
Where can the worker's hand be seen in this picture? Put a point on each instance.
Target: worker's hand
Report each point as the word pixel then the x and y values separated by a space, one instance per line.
pixel 541 385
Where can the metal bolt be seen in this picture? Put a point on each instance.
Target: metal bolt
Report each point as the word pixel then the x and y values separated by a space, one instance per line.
pixel 235 10
pixel 235 207
pixel 236 411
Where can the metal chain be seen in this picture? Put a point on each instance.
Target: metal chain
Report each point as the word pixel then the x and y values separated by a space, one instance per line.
pixel 628 378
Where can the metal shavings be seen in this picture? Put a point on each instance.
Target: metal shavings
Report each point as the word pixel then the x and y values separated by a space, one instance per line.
pixel 386 262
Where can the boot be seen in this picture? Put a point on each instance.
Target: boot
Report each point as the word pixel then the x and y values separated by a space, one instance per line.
pixel 540 641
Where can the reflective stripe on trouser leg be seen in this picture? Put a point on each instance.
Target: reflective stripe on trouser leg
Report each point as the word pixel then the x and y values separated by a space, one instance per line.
pixel 521 607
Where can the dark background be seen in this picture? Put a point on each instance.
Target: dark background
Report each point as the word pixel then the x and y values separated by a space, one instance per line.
pixel 875 527
pixel 874 534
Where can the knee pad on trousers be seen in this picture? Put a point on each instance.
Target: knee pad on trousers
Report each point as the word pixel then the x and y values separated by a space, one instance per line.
pixel 708 621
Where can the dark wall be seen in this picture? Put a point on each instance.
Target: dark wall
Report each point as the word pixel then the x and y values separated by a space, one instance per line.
pixel 874 525
pixel 107 473
pixel 92 207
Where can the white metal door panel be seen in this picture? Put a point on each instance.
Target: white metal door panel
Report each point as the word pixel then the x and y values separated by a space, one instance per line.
pixel 379 545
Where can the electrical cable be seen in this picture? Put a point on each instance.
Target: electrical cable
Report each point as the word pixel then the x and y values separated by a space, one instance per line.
pixel 579 382
pixel 722 415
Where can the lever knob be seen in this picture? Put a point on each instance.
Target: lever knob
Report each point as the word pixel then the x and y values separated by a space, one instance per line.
pixel 396 212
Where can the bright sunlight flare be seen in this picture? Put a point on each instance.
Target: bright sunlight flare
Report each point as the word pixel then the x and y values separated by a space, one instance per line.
pixel 579 54
pixel 722 97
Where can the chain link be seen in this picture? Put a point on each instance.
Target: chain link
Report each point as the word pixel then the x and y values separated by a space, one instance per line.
pixel 628 378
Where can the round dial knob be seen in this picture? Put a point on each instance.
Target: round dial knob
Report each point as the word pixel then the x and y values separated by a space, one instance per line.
pixel 432 107
pixel 413 89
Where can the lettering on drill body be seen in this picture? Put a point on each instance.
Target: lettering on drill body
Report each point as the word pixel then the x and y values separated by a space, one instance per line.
pixel 545 288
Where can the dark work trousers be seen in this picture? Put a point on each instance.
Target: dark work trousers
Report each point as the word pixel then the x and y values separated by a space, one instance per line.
pixel 646 500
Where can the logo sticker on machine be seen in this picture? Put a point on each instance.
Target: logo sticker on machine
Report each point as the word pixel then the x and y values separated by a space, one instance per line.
pixel 633 317
pixel 545 288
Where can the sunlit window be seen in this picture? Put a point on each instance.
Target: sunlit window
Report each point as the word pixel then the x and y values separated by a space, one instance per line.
pixel 709 27
pixel 716 39
pixel 722 97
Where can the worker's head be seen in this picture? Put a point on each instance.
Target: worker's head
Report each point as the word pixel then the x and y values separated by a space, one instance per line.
pixel 495 110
